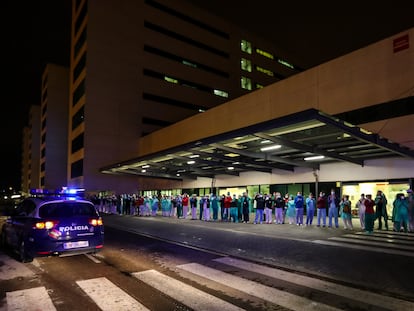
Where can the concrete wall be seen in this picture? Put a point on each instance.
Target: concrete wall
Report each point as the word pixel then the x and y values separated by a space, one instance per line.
pixel 372 75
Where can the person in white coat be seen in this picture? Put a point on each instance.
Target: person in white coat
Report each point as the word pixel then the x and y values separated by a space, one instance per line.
pixel 361 211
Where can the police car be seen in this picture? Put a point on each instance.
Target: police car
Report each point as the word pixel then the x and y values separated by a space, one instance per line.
pixel 47 224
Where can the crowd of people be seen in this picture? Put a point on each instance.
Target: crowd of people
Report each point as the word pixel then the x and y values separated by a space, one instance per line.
pixel 270 209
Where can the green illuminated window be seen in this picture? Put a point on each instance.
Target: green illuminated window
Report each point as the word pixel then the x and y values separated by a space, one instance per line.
pixel 221 93
pixel 259 86
pixel 285 63
pixel 246 46
pixel 246 83
pixel 265 54
pixel 171 80
pixel 189 64
pixel 265 71
pixel 246 64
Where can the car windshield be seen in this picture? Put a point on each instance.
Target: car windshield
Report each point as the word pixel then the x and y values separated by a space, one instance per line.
pixel 62 209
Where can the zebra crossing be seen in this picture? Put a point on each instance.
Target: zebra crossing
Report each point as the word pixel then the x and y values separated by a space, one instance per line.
pixel 230 275
pixel 390 242
pixel 224 272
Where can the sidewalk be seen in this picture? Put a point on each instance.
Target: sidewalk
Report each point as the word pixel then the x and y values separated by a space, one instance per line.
pixel 285 231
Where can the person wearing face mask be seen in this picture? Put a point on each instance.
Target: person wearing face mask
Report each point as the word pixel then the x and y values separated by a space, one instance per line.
pixel 279 206
pixel 345 211
pixel 400 212
pixel 369 214
pixel 245 204
pixel 361 210
pixel 410 199
pixel 381 209
pixel 321 209
pixel 333 204
pixel 299 205
pixel 260 205
pixel 310 209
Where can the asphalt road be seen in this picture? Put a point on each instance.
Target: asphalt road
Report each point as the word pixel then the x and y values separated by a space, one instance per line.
pixel 286 246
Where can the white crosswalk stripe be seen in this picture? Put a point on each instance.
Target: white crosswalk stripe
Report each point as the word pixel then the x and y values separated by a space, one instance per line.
pixel 273 295
pixel 33 299
pixel 108 296
pixel 187 295
pixel 328 287
pixel 11 268
pixel 395 243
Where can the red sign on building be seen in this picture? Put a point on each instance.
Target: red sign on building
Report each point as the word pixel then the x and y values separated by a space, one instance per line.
pixel 401 43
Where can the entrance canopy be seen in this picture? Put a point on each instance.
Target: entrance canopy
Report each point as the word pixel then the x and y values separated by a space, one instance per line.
pixel 306 139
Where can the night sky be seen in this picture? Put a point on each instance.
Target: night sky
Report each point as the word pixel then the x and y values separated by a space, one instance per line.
pixel 312 32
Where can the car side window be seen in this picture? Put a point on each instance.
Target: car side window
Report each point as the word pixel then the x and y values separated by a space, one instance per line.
pixel 27 208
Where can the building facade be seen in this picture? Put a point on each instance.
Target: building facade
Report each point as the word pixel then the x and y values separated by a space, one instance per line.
pixel 31 152
pixel 165 97
pixel 45 140
pixel 144 65
pixel 353 116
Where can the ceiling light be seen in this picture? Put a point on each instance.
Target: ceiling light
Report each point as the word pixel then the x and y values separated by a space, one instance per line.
pixel 265 141
pixel 314 158
pixel 190 162
pixel 271 148
pixel 232 155
pixel 143 171
pixel 177 174
pixel 145 166
pixel 230 168
pixel 194 156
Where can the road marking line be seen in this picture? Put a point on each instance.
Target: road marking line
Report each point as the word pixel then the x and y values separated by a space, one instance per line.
pixel 387 240
pixel 329 287
pixel 273 295
pixel 11 268
pixel 387 234
pixel 32 299
pixel 186 294
pixel 373 243
pixel 365 247
pixel 93 258
pixel 108 296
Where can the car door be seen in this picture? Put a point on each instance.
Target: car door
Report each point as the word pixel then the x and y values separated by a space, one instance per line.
pixel 18 223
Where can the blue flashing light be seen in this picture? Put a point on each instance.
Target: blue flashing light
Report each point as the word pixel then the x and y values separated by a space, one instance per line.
pixel 64 192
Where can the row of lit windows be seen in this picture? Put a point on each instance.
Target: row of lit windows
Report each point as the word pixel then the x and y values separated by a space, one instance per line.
pixel 187 62
pixel 182 82
pixel 246 47
pixel 246 65
pixel 247 84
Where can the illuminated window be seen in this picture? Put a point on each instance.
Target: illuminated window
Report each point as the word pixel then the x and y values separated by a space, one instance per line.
pixel 221 93
pixel 246 64
pixel 189 64
pixel 246 46
pixel 259 86
pixel 285 63
pixel 265 54
pixel 246 83
pixel 265 71
pixel 171 80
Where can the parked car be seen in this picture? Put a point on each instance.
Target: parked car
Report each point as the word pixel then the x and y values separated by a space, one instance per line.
pixel 48 225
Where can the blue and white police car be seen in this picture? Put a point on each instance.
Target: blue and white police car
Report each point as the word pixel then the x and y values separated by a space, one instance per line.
pixel 47 224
